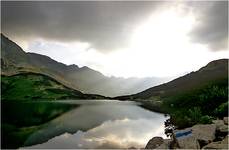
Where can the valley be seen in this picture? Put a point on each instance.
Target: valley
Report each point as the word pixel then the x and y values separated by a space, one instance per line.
pixel 51 95
pixel 15 60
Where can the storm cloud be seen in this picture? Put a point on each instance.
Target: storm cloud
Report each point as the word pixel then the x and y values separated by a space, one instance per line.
pixel 212 24
pixel 105 25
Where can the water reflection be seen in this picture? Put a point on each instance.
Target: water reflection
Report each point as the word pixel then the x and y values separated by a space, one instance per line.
pixel 102 125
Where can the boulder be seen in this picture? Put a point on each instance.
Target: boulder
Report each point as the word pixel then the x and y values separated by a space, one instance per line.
pixel 186 140
pixel 165 144
pixel 154 143
pixel 218 145
pixel 225 140
pixel 223 129
pixel 204 133
pixel 218 123
pixel 188 143
pixel 196 136
pixel 225 119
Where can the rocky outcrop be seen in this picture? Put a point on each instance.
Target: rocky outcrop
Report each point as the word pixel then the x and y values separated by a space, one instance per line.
pixel 225 119
pixel 218 145
pixel 165 144
pixel 223 129
pixel 154 143
pixel 218 123
pixel 204 133
pixel 189 143
pixel 158 143
pixel 208 136
pixel 200 135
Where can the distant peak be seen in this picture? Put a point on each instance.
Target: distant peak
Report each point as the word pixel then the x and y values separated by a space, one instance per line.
pixel 219 61
pixel 73 66
pixel 85 67
pixel 216 64
pixel 88 69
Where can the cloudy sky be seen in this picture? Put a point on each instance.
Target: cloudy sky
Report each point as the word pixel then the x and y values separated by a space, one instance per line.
pixel 127 39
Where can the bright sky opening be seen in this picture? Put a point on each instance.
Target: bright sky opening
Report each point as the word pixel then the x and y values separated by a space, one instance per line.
pixel 159 46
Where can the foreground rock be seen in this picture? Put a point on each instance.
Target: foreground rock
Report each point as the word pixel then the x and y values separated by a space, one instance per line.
pixel 218 123
pixel 225 119
pixel 221 125
pixel 208 136
pixel 200 136
pixel 221 129
pixel 218 145
pixel 165 145
pixel 189 143
pixel 154 143
pixel 204 133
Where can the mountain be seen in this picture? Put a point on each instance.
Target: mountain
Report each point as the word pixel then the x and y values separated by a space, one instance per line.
pixel 195 98
pixel 213 71
pixel 11 56
pixel 28 86
pixel 14 60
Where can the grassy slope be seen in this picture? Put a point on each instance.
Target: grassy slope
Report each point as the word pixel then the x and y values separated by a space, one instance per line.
pixel 213 71
pixel 199 105
pixel 31 86
pixel 21 115
pixel 193 98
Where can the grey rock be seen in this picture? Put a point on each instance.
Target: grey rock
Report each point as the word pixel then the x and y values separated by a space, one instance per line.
pixel 225 141
pixel 225 119
pixel 218 123
pixel 201 135
pixel 223 129
pixel 165 144
pixel 204 133
pixel 154 143
pixel 218 145
pixel 188 143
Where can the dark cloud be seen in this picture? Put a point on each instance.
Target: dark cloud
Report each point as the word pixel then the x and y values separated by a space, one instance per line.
pixel 106 25
pixel 212 25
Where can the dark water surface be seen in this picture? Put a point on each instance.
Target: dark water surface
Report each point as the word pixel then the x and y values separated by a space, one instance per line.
pixel 99 124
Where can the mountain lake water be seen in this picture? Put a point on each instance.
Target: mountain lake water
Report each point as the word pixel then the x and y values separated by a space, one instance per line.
pixel 99 124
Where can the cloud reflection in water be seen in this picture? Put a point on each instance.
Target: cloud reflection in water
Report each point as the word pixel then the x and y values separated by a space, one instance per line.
pixel 115 126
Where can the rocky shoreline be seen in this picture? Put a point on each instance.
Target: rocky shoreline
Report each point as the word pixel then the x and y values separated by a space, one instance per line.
pixel 202 136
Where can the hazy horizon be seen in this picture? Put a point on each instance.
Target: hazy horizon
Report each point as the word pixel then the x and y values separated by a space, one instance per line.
pixel 122 39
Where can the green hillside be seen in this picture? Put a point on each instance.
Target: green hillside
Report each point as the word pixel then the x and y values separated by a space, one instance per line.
pixel 31 86
pixel 213 71
pixel 200 105
pixel 15 60
pixel 194 98
pixel 25 105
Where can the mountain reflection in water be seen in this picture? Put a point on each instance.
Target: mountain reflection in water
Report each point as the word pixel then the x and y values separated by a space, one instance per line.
pixel 100 124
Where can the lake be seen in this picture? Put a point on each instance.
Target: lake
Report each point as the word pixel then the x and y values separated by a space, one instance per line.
pixel 99 124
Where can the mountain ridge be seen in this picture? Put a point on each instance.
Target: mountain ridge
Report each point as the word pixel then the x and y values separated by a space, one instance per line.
pixel 84 79
pixel 35 86
pixel 214 70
